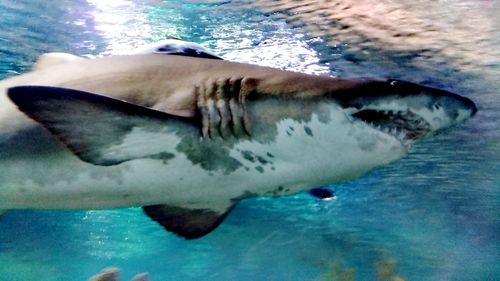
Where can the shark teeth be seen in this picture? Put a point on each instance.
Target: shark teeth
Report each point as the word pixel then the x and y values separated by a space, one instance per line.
pixel 405 126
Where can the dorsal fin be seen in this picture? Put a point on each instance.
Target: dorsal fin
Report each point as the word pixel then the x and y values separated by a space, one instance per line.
pixel 189 223
pixel 51 59
pixel 178 48
pixel 103 130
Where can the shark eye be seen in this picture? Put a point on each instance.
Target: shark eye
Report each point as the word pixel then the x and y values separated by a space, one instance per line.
pixel 437 106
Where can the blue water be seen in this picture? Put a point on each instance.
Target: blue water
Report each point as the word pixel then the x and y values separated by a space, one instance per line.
pixel 431 216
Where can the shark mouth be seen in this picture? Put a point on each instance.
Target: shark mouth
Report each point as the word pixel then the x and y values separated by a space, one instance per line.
pixel 405 126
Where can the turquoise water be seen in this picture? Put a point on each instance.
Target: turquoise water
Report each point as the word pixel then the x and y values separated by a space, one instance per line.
pixel 432 216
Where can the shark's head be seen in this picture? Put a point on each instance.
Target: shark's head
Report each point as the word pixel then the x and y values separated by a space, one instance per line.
pixel 339 129
pixel 404 110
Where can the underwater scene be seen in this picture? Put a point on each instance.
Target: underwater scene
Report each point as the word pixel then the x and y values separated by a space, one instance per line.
pixel 433 215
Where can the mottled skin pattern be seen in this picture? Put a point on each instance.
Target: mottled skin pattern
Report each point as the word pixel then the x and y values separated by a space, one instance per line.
pixel 222 131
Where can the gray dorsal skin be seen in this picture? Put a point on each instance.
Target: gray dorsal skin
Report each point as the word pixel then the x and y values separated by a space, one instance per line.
pixel 49 60
pixel 166 47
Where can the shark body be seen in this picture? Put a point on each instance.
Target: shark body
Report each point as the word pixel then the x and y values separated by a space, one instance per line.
pixel 188 137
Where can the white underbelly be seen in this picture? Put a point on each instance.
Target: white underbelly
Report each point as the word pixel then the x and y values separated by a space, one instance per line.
pixel 302 156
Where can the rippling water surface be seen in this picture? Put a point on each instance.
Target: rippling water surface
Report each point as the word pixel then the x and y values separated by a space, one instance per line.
pixel 432 216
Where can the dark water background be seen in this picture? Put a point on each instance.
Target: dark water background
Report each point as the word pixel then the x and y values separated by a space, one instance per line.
pixel 432 216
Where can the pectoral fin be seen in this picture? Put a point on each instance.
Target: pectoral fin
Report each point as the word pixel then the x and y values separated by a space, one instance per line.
pixel 186 222
pixel 102 130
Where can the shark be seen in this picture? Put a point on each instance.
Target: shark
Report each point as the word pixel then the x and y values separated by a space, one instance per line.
pixel 186 135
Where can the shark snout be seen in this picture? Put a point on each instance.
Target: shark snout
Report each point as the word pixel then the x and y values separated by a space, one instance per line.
pixel 457 109
pixel 409 111
pixel 469 106
pixel 472 107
